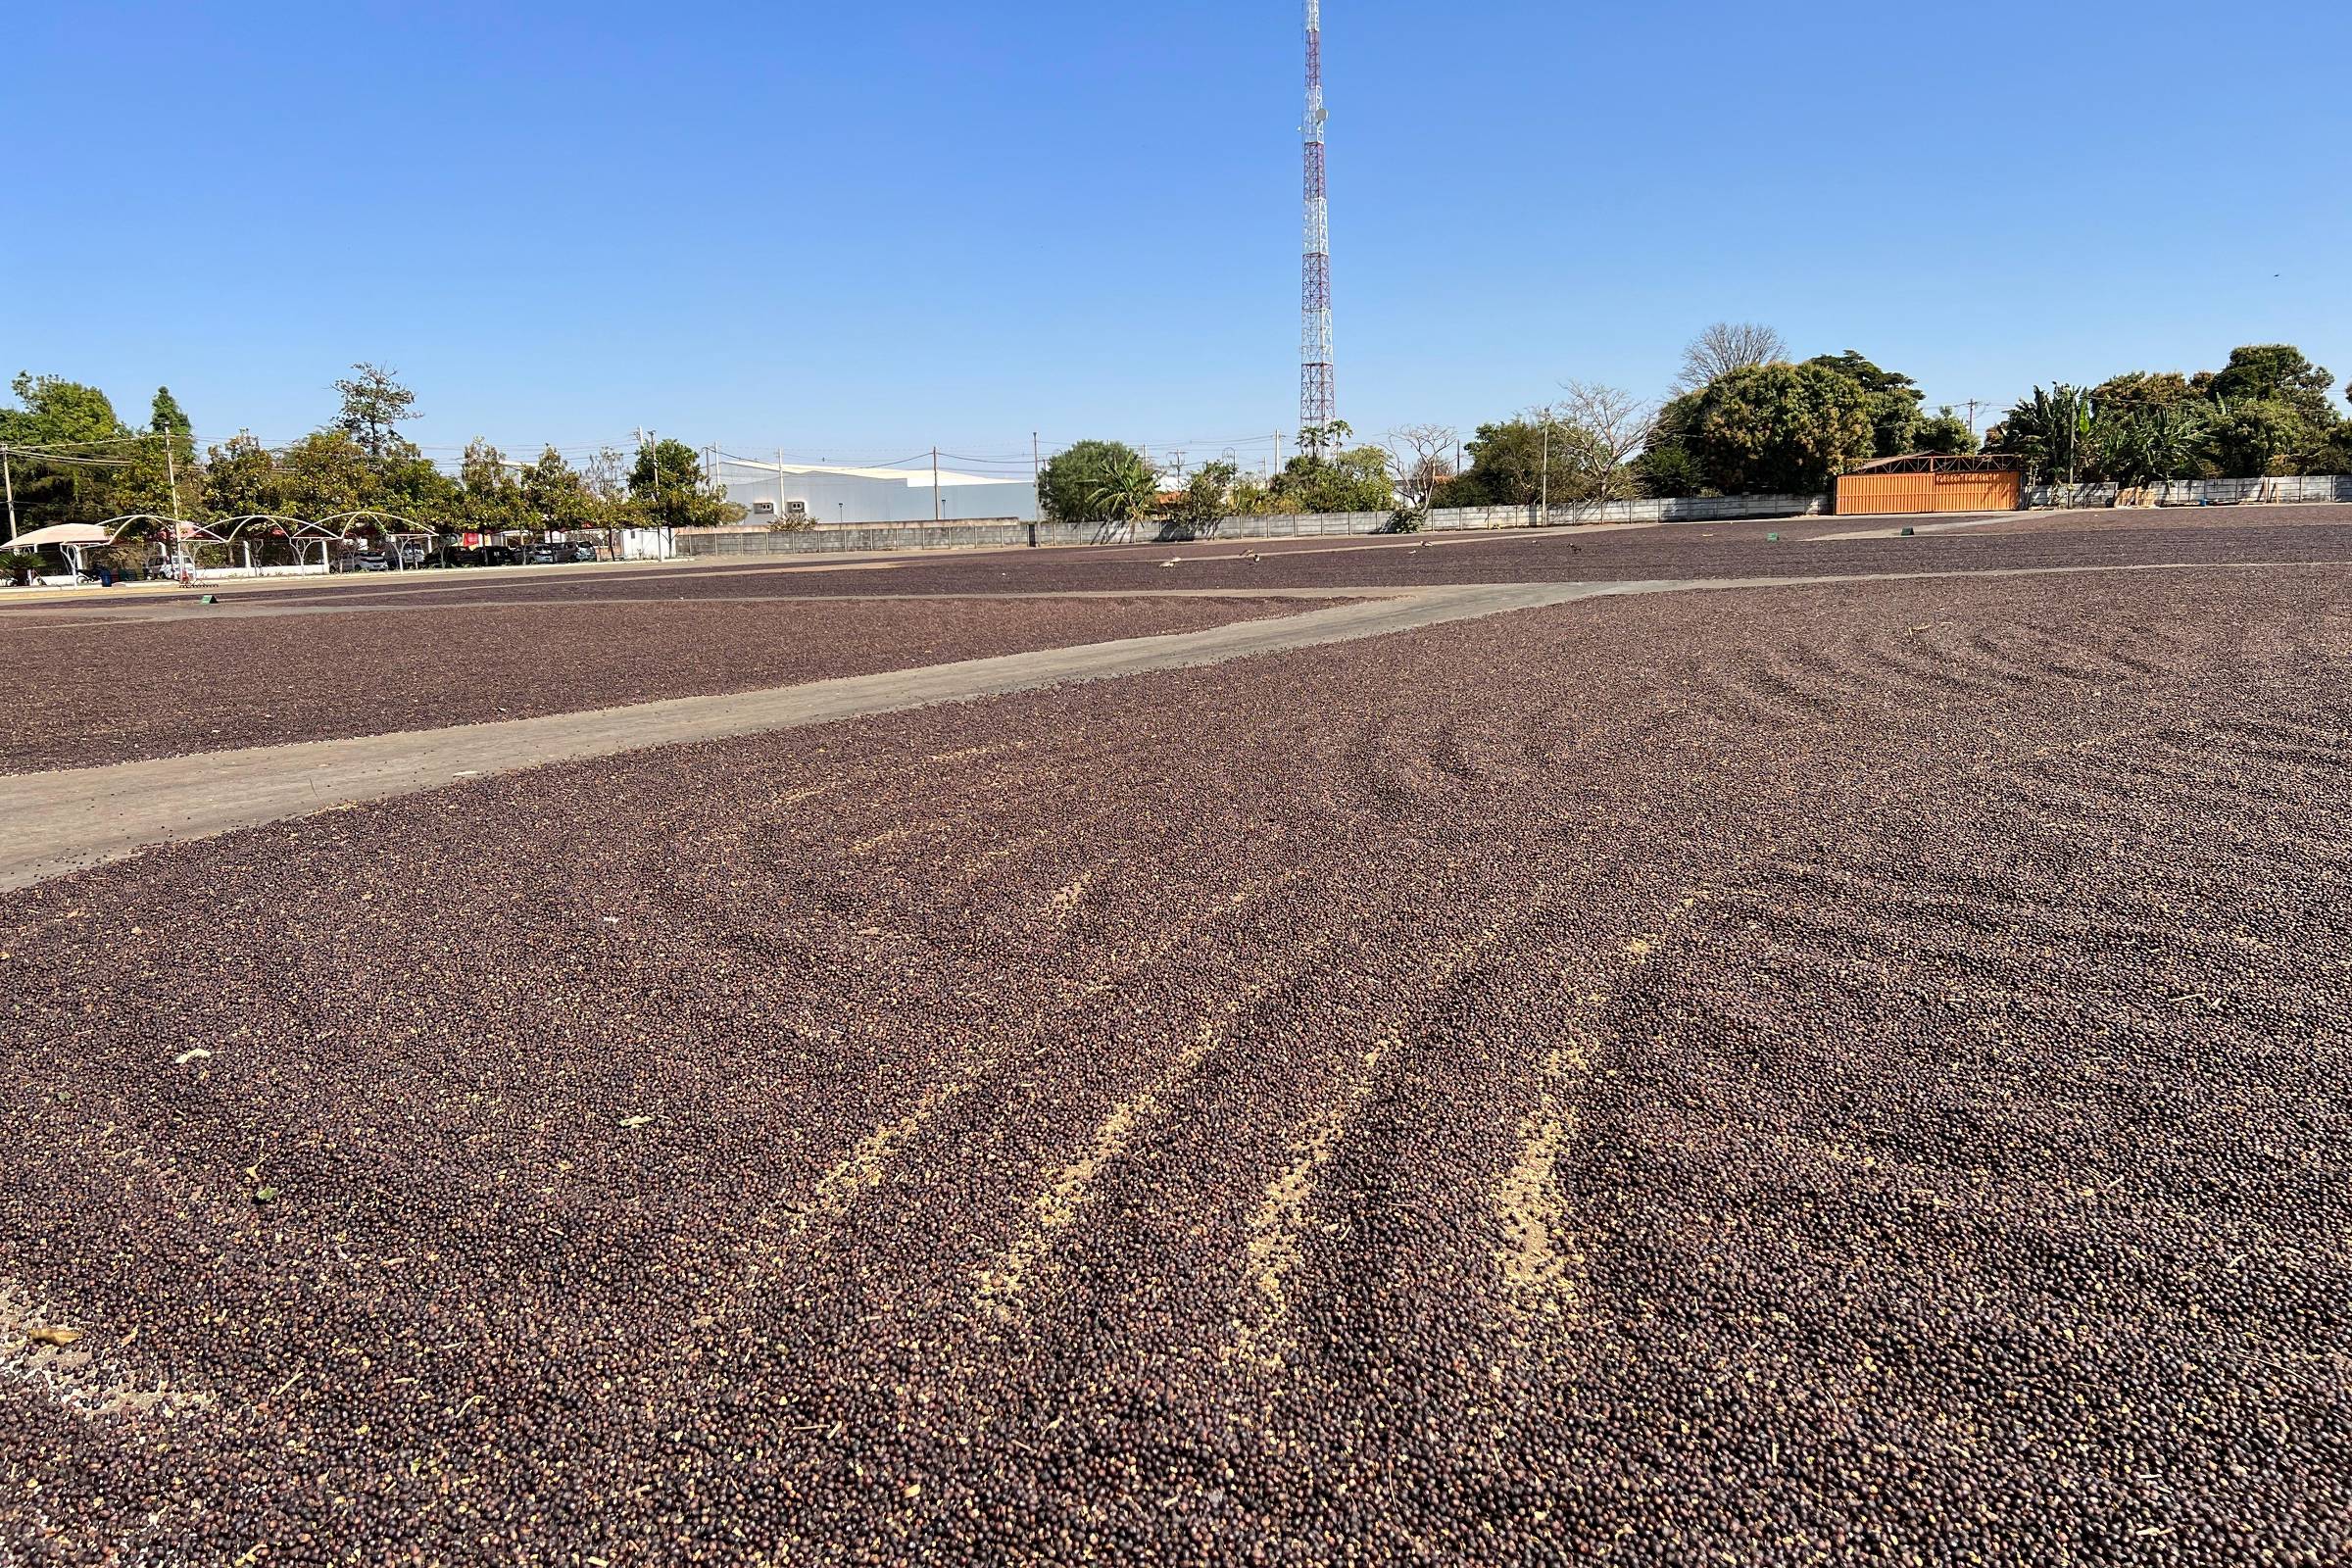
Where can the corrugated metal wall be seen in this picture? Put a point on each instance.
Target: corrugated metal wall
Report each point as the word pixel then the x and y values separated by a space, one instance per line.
pixel 1869 494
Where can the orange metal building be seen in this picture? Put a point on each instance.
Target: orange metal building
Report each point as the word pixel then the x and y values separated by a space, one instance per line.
pixel 1928 481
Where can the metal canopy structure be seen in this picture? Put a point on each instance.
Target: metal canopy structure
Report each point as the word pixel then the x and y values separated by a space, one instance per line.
pixel 1944 462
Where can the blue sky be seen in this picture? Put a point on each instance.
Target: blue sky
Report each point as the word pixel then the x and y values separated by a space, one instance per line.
pixel 851 232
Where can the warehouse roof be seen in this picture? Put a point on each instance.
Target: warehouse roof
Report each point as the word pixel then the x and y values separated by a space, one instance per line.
pixel 909 477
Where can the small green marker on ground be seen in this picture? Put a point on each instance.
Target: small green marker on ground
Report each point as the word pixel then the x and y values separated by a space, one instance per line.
pixel 1906 533
pixel 1772 537
pixel 210 599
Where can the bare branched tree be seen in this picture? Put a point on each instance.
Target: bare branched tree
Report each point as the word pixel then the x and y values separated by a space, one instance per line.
pixel 1420 459
pixel 1727 346
pixel 1609 426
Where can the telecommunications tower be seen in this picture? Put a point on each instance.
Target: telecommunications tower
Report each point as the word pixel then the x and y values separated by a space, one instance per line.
pixel 1315 399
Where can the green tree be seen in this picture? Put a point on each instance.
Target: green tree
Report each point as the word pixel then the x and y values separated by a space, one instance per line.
pixel 1892 402
pixel 1071 480
pixel 2257 436
pixel 167 417
pixel 1509 460
pixel 669 489
pixel 1943 432
pixel 1668 470
pixel 2143 389
pixel 240 480
pixel 1207 498
pixel 1353 480
pixel 555 495
pixel 2274 372
pixel 1251 497
pixel 1319 440
pixel 1780 428
pixel 2050 431
pixel 2141 443
pixel 375 408
pixel 408 485
pixel 77 424
pixel 1122 492
pixel 161 476
pixel 491 498
pixel 1667 466
pixel 324 473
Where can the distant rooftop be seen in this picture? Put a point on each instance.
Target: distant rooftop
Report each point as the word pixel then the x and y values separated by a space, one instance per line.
pixel 907 476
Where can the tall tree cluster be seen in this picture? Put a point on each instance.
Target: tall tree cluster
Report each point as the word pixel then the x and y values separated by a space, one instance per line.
pixel 72 458
pixel 2266 412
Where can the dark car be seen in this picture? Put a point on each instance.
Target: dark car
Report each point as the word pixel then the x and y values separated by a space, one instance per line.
pixel 501 555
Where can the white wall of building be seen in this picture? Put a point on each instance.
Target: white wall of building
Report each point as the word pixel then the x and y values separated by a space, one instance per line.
pixel 836 496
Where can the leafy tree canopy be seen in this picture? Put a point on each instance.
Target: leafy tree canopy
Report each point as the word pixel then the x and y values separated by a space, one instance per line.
pixel 1667 469
pixel 1780 428
pixel 324 473
pixel 2145 389
pixel 556 495
pixel 2272 371
pixel 1510 459
pixel 1206 496
pixel 375 408
pixel 239 479
pixel 1894 402
pixel 1092 481
pixel 1353 480
pixel 78 419
pixel 2050 431
pixel 1943 432
pixel 492 493
pixel 669 489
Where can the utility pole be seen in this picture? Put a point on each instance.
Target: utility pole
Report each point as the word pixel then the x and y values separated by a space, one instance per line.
pixel 171 476
pixel 1037 486
pixel 10 481
pixel 1975 404
pixel 935 512
pixel 1544 489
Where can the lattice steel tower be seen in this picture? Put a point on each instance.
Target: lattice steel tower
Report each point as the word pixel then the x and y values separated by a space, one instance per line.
pixel 1315 398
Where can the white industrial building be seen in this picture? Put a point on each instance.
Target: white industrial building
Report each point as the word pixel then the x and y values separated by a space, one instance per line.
pixel 831 496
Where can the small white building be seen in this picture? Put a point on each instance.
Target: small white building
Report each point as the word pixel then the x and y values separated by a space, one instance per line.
pixel 830 496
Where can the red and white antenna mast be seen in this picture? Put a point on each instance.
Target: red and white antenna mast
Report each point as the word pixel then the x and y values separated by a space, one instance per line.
pixel 1315 397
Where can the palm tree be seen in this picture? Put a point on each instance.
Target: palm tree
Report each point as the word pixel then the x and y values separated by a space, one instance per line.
pixel 1315 440
pixel 1122 490
pixel 2051 431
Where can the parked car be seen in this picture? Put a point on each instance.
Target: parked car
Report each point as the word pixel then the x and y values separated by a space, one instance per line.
pixel 373 561
pixel 582 551
pixel 412 555
pixel 547 555
pixel 501 555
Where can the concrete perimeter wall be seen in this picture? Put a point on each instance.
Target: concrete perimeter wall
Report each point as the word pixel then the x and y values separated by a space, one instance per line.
pixel 1007 533
pixel 2284 491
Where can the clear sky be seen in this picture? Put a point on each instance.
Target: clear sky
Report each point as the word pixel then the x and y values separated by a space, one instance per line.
pixel 852 231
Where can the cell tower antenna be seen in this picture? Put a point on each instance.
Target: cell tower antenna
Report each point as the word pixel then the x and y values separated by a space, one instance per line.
pixel 1316 402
